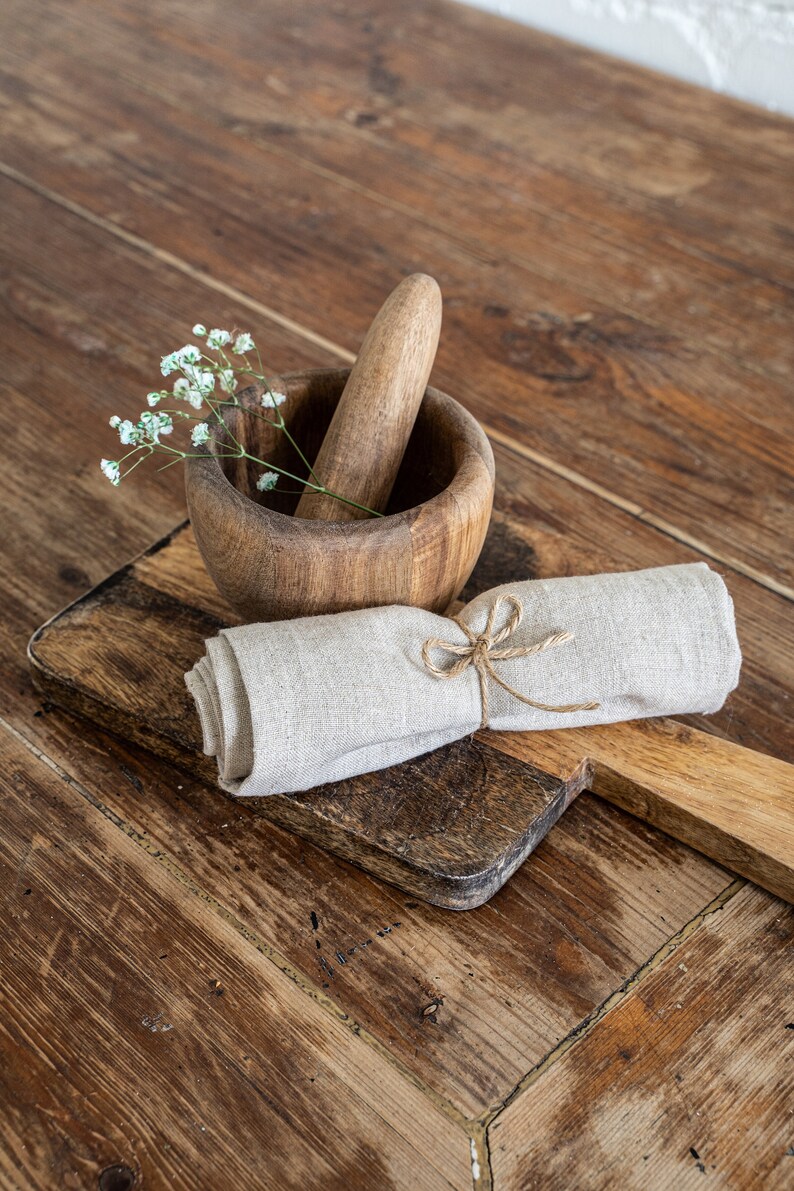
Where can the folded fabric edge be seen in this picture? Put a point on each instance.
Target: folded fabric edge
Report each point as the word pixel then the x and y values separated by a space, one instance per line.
pixel 726 615
pixel 210 728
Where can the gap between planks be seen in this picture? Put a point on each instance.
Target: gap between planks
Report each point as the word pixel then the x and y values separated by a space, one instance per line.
pixel 475 1129
pixel 537 457
pixel 419 216
pixel 480 1128
pixel 271 954
pixel 614 999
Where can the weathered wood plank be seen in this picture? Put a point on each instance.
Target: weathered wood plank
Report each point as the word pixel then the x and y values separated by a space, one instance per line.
pixel 364 94
pixel 689 1075
pixel 467 1002
pixel 715 473
pixel 549 948
pixel 570 931
pixel 450 827
pixel 100 355
pixel 733 804
pixel 152 1031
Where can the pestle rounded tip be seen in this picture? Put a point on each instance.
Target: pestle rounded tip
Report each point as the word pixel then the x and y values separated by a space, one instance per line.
pixel 420 294
pixel 422 282
pixel 367 437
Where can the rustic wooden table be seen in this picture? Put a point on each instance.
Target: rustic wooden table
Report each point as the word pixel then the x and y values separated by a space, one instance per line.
pixel 191 996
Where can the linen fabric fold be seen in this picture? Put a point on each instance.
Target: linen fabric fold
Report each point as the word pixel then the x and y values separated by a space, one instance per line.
pixel 293 704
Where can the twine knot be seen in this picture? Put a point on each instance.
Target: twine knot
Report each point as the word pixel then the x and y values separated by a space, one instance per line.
pixel 481 652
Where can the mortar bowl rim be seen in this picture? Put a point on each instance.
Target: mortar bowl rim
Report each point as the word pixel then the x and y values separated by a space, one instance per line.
pixel 471 442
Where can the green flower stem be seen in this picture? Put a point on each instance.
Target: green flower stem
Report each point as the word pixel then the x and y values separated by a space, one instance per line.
pixel 241 453
pixel 229 447
pixel 260 376
pixel 221 422
pixel 281 423
pixel 188 455
pixel 309 484
pixel 304 460
pixel 135 464
pixel 139 447
pixel 314 484
pixel 282 426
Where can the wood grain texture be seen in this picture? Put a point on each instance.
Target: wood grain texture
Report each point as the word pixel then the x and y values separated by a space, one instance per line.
pixel 55 307
pixel 719 476
pixel 468 1003
pixel 577 925
pixel 271 564
pixel 152 1049
pixel 365 442
pixel 450 827
pixel 659 210
pixel 602 892
pixel 689 1076
pixel 634 178
pixel 733 804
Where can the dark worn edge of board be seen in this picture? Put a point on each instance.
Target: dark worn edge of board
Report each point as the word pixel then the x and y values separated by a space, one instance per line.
pixel 452 886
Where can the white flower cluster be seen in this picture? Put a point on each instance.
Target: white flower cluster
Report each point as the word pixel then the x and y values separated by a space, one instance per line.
pixel 194 386
pixel 202 378
pixel 189 354
pixel 199 372
pixel 271 400
pixel 110 468
pixel 218 339
pixel 148 429
pixel 267 481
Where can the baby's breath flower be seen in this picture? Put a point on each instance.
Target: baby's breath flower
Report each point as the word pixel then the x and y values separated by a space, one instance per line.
pixel 272 400
pixel 194 386
pixel 199 379
pixel 189 354
pixel 110 468
pixel 129 433
pixel 153 425
pixel 227 380
pixel 169 364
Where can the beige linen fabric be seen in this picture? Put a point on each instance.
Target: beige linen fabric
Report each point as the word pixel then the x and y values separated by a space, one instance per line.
pixel 293 704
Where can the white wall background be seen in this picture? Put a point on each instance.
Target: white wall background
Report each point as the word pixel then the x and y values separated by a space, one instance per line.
pixel 742 47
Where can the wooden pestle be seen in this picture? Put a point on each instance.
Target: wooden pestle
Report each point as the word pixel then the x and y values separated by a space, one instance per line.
pixel 366 440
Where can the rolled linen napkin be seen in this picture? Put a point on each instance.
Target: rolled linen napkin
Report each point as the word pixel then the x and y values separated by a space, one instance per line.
pixel 293 704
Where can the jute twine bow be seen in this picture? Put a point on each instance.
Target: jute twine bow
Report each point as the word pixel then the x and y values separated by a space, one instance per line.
pixel 481 653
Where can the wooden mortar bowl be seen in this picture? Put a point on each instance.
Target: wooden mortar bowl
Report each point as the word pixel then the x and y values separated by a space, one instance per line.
pixel 270 565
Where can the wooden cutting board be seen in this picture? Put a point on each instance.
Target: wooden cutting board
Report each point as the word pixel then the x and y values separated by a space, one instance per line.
pixel 450 827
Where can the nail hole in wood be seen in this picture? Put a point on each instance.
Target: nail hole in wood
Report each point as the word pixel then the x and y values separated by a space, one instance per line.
pixel 117 1178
